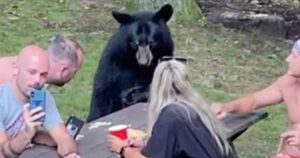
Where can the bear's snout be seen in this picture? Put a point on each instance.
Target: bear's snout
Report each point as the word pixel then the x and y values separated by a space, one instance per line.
pixel 144 55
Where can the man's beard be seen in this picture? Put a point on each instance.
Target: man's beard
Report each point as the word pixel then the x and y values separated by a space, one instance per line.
pixel 58 83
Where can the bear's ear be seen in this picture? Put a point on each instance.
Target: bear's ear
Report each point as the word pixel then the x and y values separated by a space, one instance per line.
pixel 122 18
pixel 164 13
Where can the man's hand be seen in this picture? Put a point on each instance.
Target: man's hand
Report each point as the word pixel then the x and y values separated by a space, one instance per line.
pixel 31 119
pixel 292 138
pixel 219 110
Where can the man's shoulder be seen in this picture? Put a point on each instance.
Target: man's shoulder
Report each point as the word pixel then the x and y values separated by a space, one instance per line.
pixel 8 60
pixel 286 81
pixel 4 99
pixel 4 88
pixel 48 93
pixel 280 83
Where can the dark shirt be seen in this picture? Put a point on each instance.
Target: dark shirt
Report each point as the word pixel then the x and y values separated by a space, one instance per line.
pixel 174 136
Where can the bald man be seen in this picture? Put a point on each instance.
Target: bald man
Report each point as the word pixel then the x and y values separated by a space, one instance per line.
pixel 66 57
pixel 18 123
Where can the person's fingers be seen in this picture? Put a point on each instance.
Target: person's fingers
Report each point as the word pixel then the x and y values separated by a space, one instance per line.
pixel 111 147
pixel 291 133
pixel 218 110
pixel 293 141
pixel 130 141
pixel 222 115
pixel 291 138
pixel 111 136
pixel 134 142
pixel 73 155
pixel 26 106
pixel 216 107
pixel 109 141
pixel 26 109
pixel 115 138
pixel 37 116
pixel 35 110
pixel 285 134
pixel 35 124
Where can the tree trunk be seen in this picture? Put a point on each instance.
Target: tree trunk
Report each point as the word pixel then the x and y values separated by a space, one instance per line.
pixel 185 11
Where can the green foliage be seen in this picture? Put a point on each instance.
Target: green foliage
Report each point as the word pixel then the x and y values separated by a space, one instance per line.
pixel 188 13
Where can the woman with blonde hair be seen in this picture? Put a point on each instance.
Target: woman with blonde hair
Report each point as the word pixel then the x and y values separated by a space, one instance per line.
pixel 180 123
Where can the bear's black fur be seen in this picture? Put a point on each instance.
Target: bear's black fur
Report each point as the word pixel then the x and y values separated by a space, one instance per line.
pixel 129 59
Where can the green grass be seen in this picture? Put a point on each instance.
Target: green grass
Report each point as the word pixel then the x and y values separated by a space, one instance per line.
pixel 226 64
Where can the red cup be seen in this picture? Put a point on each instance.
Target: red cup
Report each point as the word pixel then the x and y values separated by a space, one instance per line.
pixel 119 131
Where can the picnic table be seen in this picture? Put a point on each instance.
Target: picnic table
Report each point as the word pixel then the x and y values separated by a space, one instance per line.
pixel 92 140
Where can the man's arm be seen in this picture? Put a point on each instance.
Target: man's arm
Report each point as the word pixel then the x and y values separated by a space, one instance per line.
pixel 133 153
pixel 14 147
pixel 268 96
pixel 43 138
pixel 57 130
pixel 65 143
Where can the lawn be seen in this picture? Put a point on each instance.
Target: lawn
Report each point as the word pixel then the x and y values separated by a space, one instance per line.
pixel 226 64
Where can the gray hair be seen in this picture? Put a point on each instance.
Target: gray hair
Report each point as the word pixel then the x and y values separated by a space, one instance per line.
pixel 64 48
pixel 170 85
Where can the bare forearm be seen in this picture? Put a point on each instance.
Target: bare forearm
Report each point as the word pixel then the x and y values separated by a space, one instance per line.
pixel 65 143
pixel 43 138
pixel 66 146
pixel 133 153
pixel 242 105
pixel 14 147
pixel 1 151
pixel 20 143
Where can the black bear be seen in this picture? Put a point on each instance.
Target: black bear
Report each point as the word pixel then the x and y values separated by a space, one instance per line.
pixel 129 59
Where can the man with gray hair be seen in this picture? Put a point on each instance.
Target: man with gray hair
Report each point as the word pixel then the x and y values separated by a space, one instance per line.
pixel 65 56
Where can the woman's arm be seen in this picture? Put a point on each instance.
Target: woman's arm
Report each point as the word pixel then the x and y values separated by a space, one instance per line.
pixel 126 148
pixel 129 152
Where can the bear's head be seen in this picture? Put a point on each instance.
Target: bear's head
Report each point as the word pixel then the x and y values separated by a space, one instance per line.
pixel 147 34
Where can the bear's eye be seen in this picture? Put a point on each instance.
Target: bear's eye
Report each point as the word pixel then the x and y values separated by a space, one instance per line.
pixel 152 44
pixel 134 44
